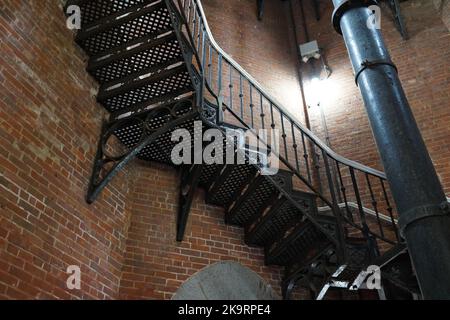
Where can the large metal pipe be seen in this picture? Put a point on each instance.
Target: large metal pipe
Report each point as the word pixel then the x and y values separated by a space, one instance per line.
pixel 418 194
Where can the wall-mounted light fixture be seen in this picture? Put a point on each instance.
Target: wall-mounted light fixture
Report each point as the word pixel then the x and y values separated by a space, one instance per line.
pixel 310 50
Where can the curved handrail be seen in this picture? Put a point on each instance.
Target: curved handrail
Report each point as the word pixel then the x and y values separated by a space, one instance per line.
pixel 352 181
pixel 268 96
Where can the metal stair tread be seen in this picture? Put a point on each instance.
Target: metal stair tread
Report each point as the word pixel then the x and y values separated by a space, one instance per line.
pixel 94 10
pixel 144 86
pixel 253 200
pixel 136 25
pixel 299 242
pixel 120 17
pixel 137 79
pixel 160 150
pixel 225 191
pixel 133 58
pixel 278 217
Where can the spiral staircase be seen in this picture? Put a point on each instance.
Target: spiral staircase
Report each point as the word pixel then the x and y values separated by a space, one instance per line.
pixel 322 217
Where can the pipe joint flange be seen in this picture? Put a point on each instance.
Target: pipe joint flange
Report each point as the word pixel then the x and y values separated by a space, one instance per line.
pixel 344 7
pixel 419 213
pixel 366 64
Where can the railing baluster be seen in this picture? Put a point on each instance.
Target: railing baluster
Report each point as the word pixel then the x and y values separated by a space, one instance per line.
pixel 199 22
pixel 294 145
pixel 336 210
pixel 210 65
pixel 390 210
pixel 283 135
pixel 374 204
pixel 203 54
pixel 306 156
pixel 251 106
pixel 188 16
pixel 344 193
pixel 365 228
pixel 194 23
pixel 262 115
pixel 312 148
pixel 219 75
pixel 241 95
pixel 231 87
pixel 316 163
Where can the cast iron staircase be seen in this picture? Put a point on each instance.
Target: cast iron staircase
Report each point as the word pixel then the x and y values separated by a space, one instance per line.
pixel 322 217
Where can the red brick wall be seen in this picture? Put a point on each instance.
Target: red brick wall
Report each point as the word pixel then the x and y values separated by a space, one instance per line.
pixel 423 63
pixel 265 49
pixel 155 264
pixel 124 243
pixel 49 126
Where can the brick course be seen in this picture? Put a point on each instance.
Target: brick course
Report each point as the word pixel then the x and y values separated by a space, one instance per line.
pixel 422 62
pixel 49 126
pixel 125 242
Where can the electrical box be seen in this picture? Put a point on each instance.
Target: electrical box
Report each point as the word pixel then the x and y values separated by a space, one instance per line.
pixel 309 50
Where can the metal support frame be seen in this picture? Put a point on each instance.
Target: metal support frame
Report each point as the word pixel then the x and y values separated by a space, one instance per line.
pixel 421 202
pixel 189 183
pixel 99 181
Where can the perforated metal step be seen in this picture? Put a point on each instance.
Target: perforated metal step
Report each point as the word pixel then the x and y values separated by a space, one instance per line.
pixel 93 10
pixel 136 22
pixel 131 133
pixel 208 172
pixel 299 244
pixel 135 57
pixel 145 86
pixel 277 218
pixel 255 197
pixel 227 183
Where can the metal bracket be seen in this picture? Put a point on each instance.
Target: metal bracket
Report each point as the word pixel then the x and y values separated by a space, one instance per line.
pixel 419 213
pixel 344 7
pixel 189 183
pixel 98 181
pixel 366 64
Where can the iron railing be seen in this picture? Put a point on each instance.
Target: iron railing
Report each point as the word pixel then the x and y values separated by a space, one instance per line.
pixel 357 195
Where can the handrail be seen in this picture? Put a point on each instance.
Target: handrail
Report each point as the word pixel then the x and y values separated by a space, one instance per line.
pixel 347 181
pixel 269 97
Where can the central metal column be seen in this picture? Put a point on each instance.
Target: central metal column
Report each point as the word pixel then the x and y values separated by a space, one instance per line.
pixel 418 194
